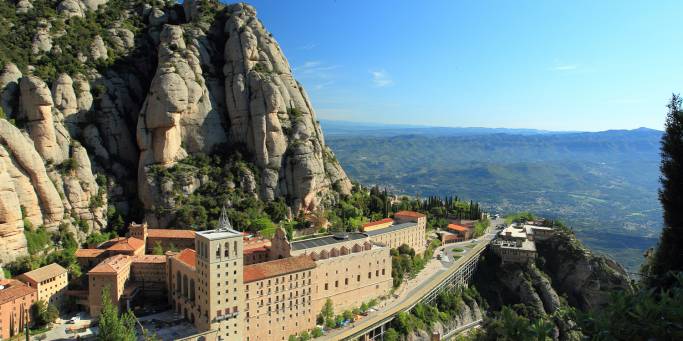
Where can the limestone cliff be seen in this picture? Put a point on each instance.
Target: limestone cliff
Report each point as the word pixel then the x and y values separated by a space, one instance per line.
pixel 105 94
pixel 566 274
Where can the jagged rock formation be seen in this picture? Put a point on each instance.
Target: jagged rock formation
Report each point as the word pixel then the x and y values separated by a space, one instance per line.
pixel 585 279
pixel 148 85
pixel 566 273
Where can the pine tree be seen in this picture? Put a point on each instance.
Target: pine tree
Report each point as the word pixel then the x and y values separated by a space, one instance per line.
pixel 113 327
pixel 668 257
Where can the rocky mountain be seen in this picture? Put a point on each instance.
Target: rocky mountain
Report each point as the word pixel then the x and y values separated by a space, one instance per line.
pixel 99 97
pixel 565 276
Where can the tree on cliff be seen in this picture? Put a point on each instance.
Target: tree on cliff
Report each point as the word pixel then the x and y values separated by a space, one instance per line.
pixel 668 257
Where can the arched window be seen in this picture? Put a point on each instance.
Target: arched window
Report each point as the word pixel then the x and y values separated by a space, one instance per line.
pixel 227 249
pixel 234 248
pixel 218 250
pixel 192 290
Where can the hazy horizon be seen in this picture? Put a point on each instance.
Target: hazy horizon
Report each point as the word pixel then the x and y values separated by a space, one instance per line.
pixel 399 125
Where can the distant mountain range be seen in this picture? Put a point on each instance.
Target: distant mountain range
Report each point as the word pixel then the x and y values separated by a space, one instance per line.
pixel 334 127
pixel 604 184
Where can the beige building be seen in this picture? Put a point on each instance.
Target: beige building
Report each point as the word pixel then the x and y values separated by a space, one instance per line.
pixel 50 281
pixel 206 285
pixel 235 288
pixel 278 298
pixel 113 273
pixel 350 269
pixel 516 243
pixel 407 228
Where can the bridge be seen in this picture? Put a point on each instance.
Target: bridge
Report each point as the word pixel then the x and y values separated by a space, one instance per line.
pixel 373 326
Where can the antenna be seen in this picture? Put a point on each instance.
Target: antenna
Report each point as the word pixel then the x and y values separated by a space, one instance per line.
pixel 223 221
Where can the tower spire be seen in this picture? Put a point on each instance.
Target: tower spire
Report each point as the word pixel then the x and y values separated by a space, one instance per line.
pixel 223 221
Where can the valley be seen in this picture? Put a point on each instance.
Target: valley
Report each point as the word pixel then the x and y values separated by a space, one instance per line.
pixel 604 184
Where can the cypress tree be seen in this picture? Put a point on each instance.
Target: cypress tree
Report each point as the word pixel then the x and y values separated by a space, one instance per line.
pixel 668 258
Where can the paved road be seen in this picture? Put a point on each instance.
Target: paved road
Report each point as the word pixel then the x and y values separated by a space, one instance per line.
pixel 413 295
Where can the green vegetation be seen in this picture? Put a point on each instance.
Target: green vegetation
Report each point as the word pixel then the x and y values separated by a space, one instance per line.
pixel 113 327
pixel 17 31
pixel 480 227
pixel 643 315
pixel 447 305
pixel 666 261
pixel 508 324
pixel 549 174
pixel 97 238
pixel 44 314
pixel 404 261
pixel 37 240
pixel 221 176
pixel 521 217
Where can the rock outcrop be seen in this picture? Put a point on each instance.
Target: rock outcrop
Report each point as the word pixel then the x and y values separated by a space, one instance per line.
pixel 258 104
pixel 586 279
pixel 149 86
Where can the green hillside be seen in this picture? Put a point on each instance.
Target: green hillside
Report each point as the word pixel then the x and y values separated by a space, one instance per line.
pixel 604 184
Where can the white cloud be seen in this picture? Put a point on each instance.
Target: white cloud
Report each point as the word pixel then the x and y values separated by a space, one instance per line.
pixel 381 78
pixel 314 68
pixel 565 67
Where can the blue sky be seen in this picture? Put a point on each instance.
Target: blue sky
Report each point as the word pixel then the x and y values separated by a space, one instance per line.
pixel 557 65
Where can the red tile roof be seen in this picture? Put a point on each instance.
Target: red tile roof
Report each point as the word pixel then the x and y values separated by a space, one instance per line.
pixel 111 265
pixel 171 234
pixel 188 256
pixel 379 222
pixel 126 244
pixel 14 289
pixel 458 228
pixel 252 245
pixel 89 253
pixel 279 267
pixel 149 259
pixel 411 214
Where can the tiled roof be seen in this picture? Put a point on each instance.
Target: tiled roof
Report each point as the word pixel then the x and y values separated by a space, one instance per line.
pixel 111 265
pixel 149 259
pixel 46 272
pixel 277 267
pixel 188 256
pixel 168 233
pixel 126 244
pixel 456 227
pixel 88 253
pixel 411 214
pixel 379 222
pixel 13 290
pixel 255 245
